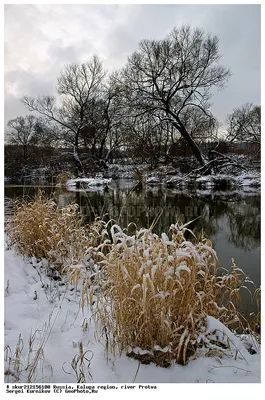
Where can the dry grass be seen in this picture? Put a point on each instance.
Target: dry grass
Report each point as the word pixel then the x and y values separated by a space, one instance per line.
pixel 79 367
pixel 25 363
pixel 62 179
pixel 153 293
pixel 256 323
pixel 41 229
pixel 159 291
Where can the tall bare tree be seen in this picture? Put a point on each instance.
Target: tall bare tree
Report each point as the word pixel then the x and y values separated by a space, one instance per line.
pixel 173 76
pixel 76 86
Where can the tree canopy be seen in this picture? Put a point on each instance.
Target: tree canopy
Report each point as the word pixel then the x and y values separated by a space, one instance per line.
pixel 170 76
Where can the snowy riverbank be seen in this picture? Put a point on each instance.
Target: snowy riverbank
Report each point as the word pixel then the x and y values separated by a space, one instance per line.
pixel 167 177
pixel 239 176
pixel 44 325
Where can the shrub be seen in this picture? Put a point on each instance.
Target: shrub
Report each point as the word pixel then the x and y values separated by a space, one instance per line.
pixel 159 291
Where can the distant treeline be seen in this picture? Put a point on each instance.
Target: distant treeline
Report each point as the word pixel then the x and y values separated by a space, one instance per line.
pixel 58 160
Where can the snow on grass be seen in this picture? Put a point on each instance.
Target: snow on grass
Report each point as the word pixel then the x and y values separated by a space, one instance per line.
pixel 44 312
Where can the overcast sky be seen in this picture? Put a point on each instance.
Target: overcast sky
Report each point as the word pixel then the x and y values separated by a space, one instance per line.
pixel 41 39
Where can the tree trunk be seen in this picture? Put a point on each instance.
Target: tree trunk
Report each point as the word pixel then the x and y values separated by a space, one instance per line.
pixel 77 162
pixel 195 149
pixel 102 144
pixel 25 152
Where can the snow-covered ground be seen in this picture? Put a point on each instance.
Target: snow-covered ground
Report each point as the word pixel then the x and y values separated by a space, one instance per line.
pixel 45 330
pixel 82 183
pixel 170 178
pixel 240 182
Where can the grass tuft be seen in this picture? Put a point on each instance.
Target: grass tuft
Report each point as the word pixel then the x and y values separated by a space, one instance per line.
pixel 25 362
pixel 80 365
pixel 159 291
pixel 42 229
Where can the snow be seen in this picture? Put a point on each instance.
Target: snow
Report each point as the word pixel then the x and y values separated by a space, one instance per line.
pixel 88 181
pixel 182 267
pixel 42 310
pixel 251 180
pixel 153 180
pixel 224 335
pixel 246 183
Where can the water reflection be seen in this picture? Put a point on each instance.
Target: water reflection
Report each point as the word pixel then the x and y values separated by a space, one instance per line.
pixel 231 221
pixel 245 222
pixel 144 207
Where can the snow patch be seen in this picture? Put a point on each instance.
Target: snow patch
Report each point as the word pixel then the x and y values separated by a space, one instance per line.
pixel 88 181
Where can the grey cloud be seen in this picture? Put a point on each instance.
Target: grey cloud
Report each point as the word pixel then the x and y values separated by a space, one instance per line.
pixel 29 84
pixel 146 22
pixel 239 31
pixel 11 103
pixel 118 30
pixel 61 55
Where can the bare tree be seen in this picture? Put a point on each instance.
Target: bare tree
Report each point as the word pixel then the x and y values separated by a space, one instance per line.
pixel 102 131
pixel 244 125
pixel 146 138
pixel 115 120
pixel 22 131
pixel 77 85
pixel 174 76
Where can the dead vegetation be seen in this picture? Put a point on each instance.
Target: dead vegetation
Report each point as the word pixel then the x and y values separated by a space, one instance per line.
pixel 159 291
pixel 151 294
pixel 42 229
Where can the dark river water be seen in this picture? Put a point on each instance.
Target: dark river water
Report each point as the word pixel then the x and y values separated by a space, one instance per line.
pixel 231 221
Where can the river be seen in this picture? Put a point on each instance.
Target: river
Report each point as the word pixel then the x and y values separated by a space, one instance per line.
pixel 230 220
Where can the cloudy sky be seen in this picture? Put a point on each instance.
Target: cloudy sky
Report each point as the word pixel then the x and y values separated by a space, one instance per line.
pixel 41 39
